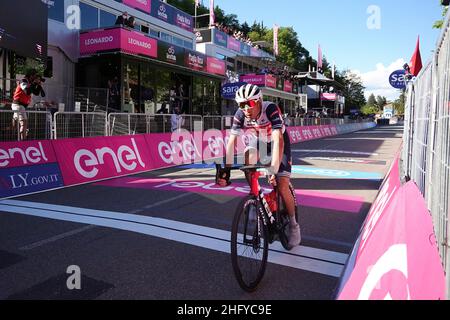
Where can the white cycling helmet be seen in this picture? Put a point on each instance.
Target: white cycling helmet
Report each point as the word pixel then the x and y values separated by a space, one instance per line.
pixel 248 92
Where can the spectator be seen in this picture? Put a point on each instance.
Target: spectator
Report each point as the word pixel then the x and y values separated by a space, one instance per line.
pixel 130 23
pixel 176 120
pixel 31 84
pixel 114 93
pixel 122 20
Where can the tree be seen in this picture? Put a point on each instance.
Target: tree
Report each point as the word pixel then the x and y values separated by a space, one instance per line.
pixel 353 90
pixel 372 100
pixel 369 109
pixel 439 23
pixel 399 104
pixel 381 101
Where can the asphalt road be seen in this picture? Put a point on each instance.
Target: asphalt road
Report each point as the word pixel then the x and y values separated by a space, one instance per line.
pixel 165 234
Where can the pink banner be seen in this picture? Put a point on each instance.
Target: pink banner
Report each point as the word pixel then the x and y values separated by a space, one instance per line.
pixel 233 44
pixel 328 96
pixel 26 153
pixel 91 159
pixel 390 186
pixel 256 79
pixel 124 40
pixel 299 134
pixel 271 81
pixel 136 43
pixel 216 66
pixel 99 40
pixel 287 86
pixel 400 260
pixel 144 5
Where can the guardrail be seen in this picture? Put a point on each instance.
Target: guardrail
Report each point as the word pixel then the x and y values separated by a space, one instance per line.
pixel 426 152
pixel 79 124
pixel 39 126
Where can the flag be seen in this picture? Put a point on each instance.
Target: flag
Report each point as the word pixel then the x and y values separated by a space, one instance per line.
pixel 212 17
pixel 275 39
pixel 319 60
pixel 197 3
pixel 415 64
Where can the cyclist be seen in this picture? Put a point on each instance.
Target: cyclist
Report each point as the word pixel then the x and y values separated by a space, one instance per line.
pixel 263 119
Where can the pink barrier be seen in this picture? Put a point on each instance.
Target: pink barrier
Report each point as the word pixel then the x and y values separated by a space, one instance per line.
pixel 397 257
pixel 400 261
pixel 14 154
pixel 299 134
pixel 91 159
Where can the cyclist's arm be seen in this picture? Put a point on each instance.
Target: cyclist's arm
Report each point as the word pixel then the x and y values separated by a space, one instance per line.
pixel 230 151
pixel 277 150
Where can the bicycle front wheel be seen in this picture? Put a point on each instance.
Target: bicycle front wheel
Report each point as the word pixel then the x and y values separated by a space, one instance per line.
pixel 249 244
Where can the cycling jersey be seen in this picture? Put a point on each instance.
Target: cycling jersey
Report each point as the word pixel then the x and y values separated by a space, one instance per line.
pixel 261 129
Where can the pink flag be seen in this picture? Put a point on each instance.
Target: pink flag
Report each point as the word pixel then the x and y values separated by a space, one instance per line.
pixel 197 3
pixel 319 60
pixel 275 39
pixel 212 17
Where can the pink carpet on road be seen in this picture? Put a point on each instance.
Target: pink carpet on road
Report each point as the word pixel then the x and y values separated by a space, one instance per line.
pixel 315 199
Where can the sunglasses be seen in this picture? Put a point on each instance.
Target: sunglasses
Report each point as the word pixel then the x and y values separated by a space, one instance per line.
pixel 249 104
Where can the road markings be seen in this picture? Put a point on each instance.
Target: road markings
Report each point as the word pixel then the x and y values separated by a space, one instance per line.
pixel 56 238
pixel 304 258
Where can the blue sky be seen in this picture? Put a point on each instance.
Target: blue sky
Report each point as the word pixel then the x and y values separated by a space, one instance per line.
pixel 340 26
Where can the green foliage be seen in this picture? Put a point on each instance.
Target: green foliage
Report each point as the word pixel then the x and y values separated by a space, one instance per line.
pixel 399 104
pixel 439 23
pixel 353 90
pixel 372 100
pixel 369 109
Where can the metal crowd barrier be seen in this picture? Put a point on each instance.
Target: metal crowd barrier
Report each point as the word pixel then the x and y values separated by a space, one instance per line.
pixel 79 124
pixel 39 126
pixel 426 148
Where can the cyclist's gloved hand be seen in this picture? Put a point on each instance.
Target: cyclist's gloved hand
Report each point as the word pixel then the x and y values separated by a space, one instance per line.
pixel 223 177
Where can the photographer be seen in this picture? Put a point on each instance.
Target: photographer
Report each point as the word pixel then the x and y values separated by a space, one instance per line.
pixel 31 84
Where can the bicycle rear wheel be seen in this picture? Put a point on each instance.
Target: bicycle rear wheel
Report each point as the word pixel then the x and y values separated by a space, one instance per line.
pixel 249 244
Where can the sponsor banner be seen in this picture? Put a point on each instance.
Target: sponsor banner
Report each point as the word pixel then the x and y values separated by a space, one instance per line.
pixel 183 20
pixel 245 49
pixel 220 38
pixel 26 153
pixel 287 86
pixel 400 260
pixel 271 81
pixel 90 159
pixel 299 134
pixel 124 40
pixel 163 12
pixel 397 79
pixel 257 79
pixel 229 89
pixel 215 66
pixel 144 5
pixel 172 149
pixel 136 43
pixel 170 53
pixel 99 40
pixel 328 96
pixel 16 181
pixel 194 60
pixel 234 44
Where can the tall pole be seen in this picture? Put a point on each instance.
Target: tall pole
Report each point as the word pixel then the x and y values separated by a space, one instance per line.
pixel 195 16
